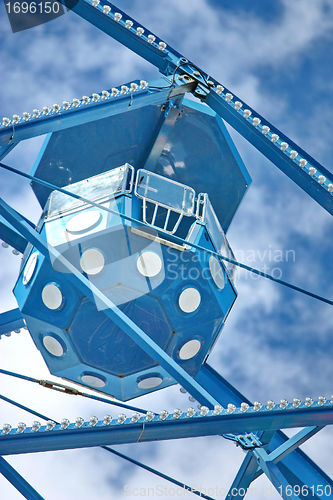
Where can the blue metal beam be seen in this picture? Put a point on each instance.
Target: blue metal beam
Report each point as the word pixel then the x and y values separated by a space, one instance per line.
pixel 297 460
pixel 10 321
pixel 113 312
pixel 294 442
pixel 275 476
pixel 156 429
pixel 18 481
pixel 168 120
pixel 311 184
pixel 243 479
pixel 164 59
pixel 83 112
pixel 11 236
pixel 318 183
pixel 4 150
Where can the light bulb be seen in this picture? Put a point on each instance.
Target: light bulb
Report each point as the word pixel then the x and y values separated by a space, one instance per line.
pixel 228 97
pixel 308 401
pixel 256 121
pixel 151 38
pixel 124 89
pixel 140 31
pixel 274 138
pixel 76 102
pixel 217 409
pixel 270 404
pixel 93 421
pixel 16 118
pixel 6 428
pixel 135 417
pixel 85 99
pixel 95 2
pixel 35 426
pixel 219 89
pixel 312 171
pixel 238 105
pixel 121 418
pixel 283 403
pixel 105 94
pixel 163 414
pixel 284 146
pixel 21 426
pixel 117 16
pixel 35 113
pixel 247 113
pixel 65 423
pixel 65 105
pixel 50 424
pixel 265 129
pixel 46 110
pixel 150 415
pixel 302 162
pixel 296 402
pixel 106 9
pixel 107 420
pixel 56 108
pixel 204 410
pixel 26 116
pixel 257 406
pixel 293 154
pixel 244 407
pixel 191 412
pixel 79 422
pixel 143 84
pixel 321 179
pixel 129 23
pixel 95 97
pixel 321 400
pixel 177 413
pixel 162 45
pixel 231 408
pixel 5 121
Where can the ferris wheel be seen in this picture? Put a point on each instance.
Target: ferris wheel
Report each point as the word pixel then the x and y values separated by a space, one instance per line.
pixel 128 278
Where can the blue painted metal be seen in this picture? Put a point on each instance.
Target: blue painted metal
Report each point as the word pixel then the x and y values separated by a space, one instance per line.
pixel 4 150
pixel 243 479
pixel 272 150
pixel 114 313
pixel 275 475
pixel 84 113
pixel 156 429
pixel 157 473
pixel 18 481
pixel 294 442
pixel 11 236
pixel 295 464
pixel 11 320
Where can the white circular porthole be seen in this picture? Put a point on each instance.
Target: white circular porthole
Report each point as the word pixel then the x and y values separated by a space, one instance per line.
pixel 30 268
pixel 92 261
pixel 150 382
pixel 149 264
pixel 189 300
pixel 216 272
pixel 83 222
pixel 190 349
pixel 93 381
pixel 52 296
pixel 53 346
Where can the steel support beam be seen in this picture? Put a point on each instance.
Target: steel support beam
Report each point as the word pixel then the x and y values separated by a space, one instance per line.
pixel 275 476
pixel 159 430
pixel 272 151
pixel 168 120
pixel 10 321
pixel 12 237
pixel 84 113
pixel 243 479
pixel 18 481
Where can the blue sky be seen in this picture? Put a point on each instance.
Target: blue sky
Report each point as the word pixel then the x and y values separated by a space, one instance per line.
pixel 277 57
